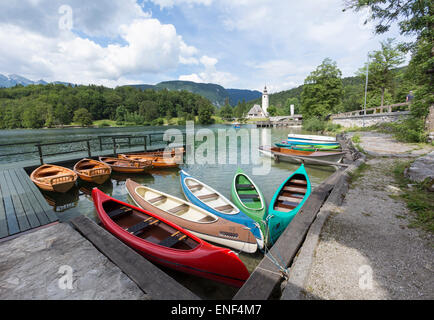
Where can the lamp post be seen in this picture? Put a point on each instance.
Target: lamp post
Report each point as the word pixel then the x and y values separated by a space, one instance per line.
pixel 366 91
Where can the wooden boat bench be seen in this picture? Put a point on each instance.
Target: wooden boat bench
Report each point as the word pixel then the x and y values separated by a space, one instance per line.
pixel 300 182
pixel 119 212
pixel 224 208
pixel 157 199
pixel 208 196
pixel 290 199
pixel 248 196
pixel 245 186
pixel 293 189
pixel 141 226
pixel 195 186
pixel 178 209
pixel 173 239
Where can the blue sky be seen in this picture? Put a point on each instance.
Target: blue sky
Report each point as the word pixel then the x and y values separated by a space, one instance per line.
pixel 235 43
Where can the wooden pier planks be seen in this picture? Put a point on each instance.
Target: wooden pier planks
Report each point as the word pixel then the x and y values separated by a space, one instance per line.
pixel 266 276
pixel 148 277
pixel 22 206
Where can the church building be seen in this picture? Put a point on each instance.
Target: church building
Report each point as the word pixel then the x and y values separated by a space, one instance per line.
pixel 257 111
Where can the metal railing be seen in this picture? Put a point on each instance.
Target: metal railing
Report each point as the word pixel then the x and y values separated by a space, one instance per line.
pixel 370 111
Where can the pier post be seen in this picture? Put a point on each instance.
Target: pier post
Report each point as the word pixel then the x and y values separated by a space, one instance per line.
pixel 40 154
pixel 144 143
pixel 88 149
pixel 100 143
pixel 114 146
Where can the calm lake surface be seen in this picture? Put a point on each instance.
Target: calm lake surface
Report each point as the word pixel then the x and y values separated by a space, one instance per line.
pixel 219 176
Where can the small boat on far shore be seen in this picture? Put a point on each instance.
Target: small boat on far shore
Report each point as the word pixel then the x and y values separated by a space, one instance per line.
pixel 93 171
pixel 54 178
pixel 166 243
pixel 299 156
pixel 311 137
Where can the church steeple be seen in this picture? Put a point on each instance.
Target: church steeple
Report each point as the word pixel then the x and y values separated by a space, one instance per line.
pixel 265 101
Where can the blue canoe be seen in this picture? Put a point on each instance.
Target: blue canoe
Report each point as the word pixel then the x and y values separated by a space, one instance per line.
pixel 287 202
pixel 214 202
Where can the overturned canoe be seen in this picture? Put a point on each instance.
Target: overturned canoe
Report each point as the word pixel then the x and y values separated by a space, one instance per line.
pixel 198 221
pixel 126 166
pixel 311 137
pixel 213 201
pixel 93 171
pixel 287 202
pixel 299 156
pixel 54 178
pixel 167 244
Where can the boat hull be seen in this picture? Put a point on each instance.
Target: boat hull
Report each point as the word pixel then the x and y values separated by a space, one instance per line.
pixel 205 260
pixel 299 156
pixel 306 147
pixel 92 171
pixel 277 220
pixel 54 178
pixel 124 166
pixel 217 230
pixel 239 217
pixel 312 142
pixel 311 137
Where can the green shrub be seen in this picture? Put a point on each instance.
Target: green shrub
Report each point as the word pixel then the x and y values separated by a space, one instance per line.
pixel 104 124
pixel 314 124
pixel 356 138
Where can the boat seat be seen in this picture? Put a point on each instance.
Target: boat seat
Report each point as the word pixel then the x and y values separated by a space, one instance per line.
pixel 119 212
pixel 282 209
pixel 154 200
pixel 208 196
pixel 141 226
pixel 245 186
pixel 224 208
pixel 248 196
pixel 195 186
pixel 299 181
pixel 173 239
pixel 207 219
pixel 178 208
pixel 289 199
pixel 293 189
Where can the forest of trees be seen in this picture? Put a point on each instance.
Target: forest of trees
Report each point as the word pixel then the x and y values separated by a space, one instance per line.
pixel 38 106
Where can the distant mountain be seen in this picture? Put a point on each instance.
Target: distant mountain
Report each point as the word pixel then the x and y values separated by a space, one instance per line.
pixel 213 92
pixel 13 79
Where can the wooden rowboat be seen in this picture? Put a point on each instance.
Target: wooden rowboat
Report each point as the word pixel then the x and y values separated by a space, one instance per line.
pixel 299 156
pixel 54 178
pixel 167 244
pixel 306 147
pixel 93 171
pixel 247 197
pixel 196 192
pixel 312 142
pixel 126 166
pixel 287 202
pixel 198 221
pixel 157 161
pixel 161 153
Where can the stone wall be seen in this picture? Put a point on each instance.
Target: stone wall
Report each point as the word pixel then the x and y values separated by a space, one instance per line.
pixel 430 123
pixel 370 119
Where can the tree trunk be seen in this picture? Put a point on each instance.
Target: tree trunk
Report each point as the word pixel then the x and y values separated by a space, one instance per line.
pixel 382 96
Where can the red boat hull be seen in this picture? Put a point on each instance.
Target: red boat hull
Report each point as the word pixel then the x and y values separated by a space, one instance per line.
pixel 206 260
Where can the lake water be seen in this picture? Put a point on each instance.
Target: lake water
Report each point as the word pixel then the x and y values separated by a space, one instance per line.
pixel 219 176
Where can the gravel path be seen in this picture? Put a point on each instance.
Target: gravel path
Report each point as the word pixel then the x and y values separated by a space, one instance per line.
pixel 366 250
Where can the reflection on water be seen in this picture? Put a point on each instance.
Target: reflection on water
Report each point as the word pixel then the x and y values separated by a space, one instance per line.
pixel 219 176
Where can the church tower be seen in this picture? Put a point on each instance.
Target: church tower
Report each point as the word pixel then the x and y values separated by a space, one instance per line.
pixel 265 102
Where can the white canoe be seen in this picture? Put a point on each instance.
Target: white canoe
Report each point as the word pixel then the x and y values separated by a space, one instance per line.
pixel 311 137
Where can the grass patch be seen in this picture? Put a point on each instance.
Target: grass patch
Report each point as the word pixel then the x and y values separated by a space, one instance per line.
pixel 356 138
pixel 418 199
pixel 356 174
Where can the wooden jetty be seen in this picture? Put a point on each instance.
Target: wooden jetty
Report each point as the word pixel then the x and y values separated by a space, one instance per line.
pixel 22 206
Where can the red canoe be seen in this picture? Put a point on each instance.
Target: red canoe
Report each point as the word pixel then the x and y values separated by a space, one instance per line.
pixel 166 243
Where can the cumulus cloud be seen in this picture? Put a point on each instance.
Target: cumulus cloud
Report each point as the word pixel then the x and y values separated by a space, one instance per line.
pixel 171 3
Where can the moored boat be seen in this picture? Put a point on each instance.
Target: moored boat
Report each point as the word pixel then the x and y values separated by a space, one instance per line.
pixel 163 161
pixel 311 137
pixel 312 142
pixel 198 221
pixel 287 202
pixel 213 201
pixel 306 147
pixel 167 244
pixel 248 198
pixel 54 178
pixel 93 171
pixel 299 156
pixel 126 166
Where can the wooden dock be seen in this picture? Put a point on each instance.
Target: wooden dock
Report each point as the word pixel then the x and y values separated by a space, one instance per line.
pixel 22 206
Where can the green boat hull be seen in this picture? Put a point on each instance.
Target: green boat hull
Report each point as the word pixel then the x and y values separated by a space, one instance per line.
pixel 249 200
pixel 277 221
pixel 306 147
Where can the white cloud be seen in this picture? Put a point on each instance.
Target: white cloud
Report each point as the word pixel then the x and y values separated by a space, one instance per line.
pixel 151 47
pixel 171 3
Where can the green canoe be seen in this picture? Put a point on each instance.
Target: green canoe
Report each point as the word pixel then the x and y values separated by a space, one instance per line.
pixel 306 147
pixel 248 198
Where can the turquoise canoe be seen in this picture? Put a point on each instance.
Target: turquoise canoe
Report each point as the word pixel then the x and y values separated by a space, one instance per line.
pixel 287 202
